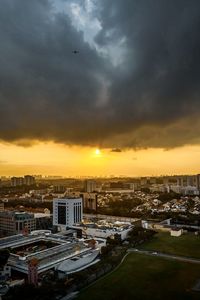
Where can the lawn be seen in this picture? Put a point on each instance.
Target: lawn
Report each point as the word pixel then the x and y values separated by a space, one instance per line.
pixel 142 277
pixel 185 245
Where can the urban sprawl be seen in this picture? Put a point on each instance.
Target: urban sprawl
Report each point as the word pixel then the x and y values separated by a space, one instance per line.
pixel 52 229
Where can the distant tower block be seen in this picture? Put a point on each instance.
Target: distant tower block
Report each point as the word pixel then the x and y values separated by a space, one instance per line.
pixel 33 271
pixel 89 186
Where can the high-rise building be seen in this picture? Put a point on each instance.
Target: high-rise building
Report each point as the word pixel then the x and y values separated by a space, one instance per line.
pixel 17 181
pixel 198 181
pixel 67 212
pixel 90 186
pixel 29 180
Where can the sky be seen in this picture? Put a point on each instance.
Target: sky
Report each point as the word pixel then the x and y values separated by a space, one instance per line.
pixel 132 90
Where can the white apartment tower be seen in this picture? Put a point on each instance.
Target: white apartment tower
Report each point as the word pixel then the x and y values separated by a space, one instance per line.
pixel 67 212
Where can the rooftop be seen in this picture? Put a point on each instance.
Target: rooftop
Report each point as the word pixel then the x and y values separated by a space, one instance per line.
pixel 48 249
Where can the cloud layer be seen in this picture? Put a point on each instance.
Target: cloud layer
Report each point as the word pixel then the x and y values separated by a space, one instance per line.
pixel 148 98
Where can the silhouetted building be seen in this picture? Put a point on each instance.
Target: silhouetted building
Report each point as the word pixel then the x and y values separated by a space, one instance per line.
pixel 17 181
pixel 26 180
pixel 122 185
pixel 29 180
pixel 59 188
pixel 198 181
pixel 90 186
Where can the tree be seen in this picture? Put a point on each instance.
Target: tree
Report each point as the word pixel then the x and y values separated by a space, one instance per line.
pixel 138 235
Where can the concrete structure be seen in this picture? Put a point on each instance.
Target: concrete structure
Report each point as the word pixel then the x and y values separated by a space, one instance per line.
pixel 119 191
pixel 185 190
pixel 109 218
pixel 78 263
pixel 43 221
pixel 44 250
pixel 103 232
pixel 103 228
pixel 12 222
pixel 17 181
pixel 26 180
pixel 33 271
pixel 59 189
pixel 29 180
pixel 198 182
pixel 90 185
pixel 190 190
pixel 67 212
pixel 89 201
pixel 119 185
pixel 5 273
pixel 176 232
pixel 159 188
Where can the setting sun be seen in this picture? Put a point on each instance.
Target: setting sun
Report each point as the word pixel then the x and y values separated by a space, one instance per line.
pixel 97 152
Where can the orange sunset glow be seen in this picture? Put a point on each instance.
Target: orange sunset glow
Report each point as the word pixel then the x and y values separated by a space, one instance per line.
pixel 51 158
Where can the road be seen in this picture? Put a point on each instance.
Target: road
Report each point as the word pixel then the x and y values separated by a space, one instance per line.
pixel 164 255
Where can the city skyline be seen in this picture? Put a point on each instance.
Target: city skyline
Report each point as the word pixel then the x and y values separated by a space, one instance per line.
pixel 121 77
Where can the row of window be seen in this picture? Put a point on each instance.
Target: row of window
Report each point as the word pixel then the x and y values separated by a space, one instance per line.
pixel 77 213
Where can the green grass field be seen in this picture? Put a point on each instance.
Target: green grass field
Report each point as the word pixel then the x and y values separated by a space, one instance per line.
pixel 185 245
pixel 143 277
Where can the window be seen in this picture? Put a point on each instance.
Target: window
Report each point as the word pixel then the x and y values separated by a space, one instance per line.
pixel 61 214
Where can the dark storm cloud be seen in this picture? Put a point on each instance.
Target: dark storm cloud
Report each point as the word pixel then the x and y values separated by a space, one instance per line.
pixel 158 80
pixel 46 90
pixel 149 99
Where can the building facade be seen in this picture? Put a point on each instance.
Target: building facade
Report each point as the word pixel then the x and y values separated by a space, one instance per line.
pixel 90 186
pixel 26 180
pixel 67 212
pixel 16 222
pixel 17 181
pixel 29 180
pixel 89 201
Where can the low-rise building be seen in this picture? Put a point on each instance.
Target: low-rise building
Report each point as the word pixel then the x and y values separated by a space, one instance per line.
pixel 89 201
pixel 12 222
pixel 5 273
pixel 103 228
pixel 176 232
pixel 47 251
